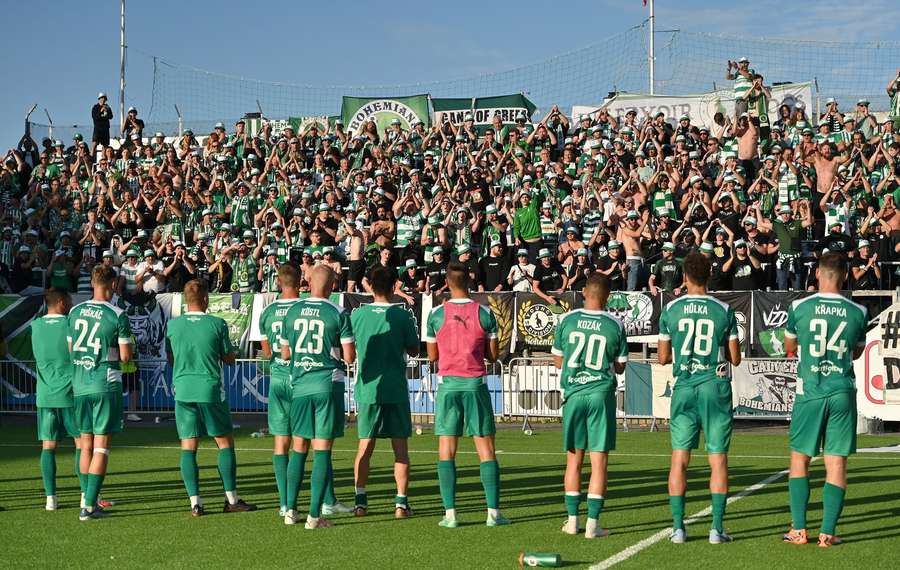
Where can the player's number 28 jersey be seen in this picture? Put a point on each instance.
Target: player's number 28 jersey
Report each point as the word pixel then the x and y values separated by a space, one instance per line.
pixel 699 328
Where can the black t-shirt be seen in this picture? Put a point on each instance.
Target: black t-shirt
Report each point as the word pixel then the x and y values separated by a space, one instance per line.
pixel 578 275
pixel 867 280
pixel 437 274
pixel 744 277
pixel 668 274
pixel 839 242
pixel 616 279
pixel 410 283
pixel 492 271
pixel 549 278
pixel 719 280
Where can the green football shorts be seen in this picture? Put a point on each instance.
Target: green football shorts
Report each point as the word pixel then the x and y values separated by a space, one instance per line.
pixel 706 407
pixel 280 397
pixel 196 419
pixel 471 409
pixel 383 420
pixel 56 424
pixel 589 421
pixel 99 414
pixel 318 416
pixel 824 424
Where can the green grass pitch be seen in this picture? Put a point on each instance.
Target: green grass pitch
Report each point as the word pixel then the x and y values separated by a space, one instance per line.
pixel 151 525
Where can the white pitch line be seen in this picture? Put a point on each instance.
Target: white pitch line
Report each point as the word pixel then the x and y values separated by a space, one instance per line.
pixel 651 540
pixel 881 456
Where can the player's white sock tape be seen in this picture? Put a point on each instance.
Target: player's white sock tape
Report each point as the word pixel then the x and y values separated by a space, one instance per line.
pixel 195 500
pixel 493 513
pixel 450 514
pixel 360 490
pixel 590 496
pixel 573 494
pixel 101 451
pixel 231 496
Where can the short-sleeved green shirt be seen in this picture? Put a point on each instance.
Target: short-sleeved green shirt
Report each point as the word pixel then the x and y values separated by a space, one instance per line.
pixel 314 329
pixel 52 361
pixel 434 323
pixel 827 328
pixel 589 342
pixel 383 334
pixel 699 328
pixel 270 327
pixel 96 329
pixel 197 343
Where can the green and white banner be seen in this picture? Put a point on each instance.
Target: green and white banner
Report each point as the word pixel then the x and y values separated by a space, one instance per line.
pixel 483 109
pixel 299 124
pixel 356 111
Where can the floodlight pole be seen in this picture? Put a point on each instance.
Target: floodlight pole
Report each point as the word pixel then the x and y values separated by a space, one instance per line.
pixel 122 66
pixel 652 54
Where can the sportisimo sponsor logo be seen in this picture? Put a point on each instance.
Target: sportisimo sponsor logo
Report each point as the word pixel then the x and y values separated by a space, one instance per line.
pixel 695 366
pixel 583 377
pixel 825 368
pixel 307 364
pixel 86 363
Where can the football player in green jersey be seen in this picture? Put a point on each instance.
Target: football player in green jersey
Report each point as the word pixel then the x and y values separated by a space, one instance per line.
pixel 197 345
pixel 703 333
pixel 279 409
pixel 55 403
pixel 590 348
pixel 315 334
pixel 99 339
pixel 385 334
pixel 827 332
pixel 460 335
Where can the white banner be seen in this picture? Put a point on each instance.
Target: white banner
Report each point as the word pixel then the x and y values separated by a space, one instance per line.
pixel 701 108
pixel 877 380
pixel 764 387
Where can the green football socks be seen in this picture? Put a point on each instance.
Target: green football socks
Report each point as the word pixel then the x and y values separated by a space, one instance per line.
pixel 798 489
pixel 48 471
pixel 362 498
pixel 447 480
pixel 190 472
pixel 490 480
pixel 81 478
pixel 280 465
pixel 228 468
pixel 573 502
pixel 92 489
pixel 319 480
pixel 832 505
pixel 401 501
pixel 296 469
pixel 719 501
pixel 595 506
pixel 330 497
pixel 676 504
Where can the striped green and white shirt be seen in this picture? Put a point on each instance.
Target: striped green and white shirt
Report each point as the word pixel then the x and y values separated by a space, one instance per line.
pixel 742 86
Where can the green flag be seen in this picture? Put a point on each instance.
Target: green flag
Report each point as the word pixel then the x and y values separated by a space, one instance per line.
pixel 356 111
pixel 483 109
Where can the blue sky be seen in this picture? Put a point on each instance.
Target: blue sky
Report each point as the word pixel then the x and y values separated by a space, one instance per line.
pixel 60 54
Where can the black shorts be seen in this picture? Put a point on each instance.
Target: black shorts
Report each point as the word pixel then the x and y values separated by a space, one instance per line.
pixel 101 137
pixel 357 270
pixel 131 381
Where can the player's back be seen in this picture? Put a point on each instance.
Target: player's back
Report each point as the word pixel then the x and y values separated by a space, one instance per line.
pixel 827 327
pixel 52 360
pixel 96 328
pixel 699 328
pixel 383 332
pixel 314 328
pixel 197 342
pixel 589 342
pixel 270 326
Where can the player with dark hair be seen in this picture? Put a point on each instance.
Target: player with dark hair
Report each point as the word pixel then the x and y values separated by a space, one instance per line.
pixel 460 334
pixel 197 345
pixel 99 340
pixel 827 331
pixel 385 334
pixel 590 348
pixel 702 332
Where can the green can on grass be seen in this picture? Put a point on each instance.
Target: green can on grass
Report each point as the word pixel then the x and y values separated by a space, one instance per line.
pixel 539 559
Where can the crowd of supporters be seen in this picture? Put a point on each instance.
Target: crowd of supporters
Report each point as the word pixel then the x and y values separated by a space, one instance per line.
pixel 530 206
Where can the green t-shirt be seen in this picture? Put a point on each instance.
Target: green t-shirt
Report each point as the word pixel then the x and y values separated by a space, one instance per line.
pixel 52 361
pixel 699 328
pixel 788 236
pixel 270 327
pixel 589 342
pixel 197 343
pixel 827 328
pixel 96 329
pixel 435 321
pixel 315 329
pixel 383 334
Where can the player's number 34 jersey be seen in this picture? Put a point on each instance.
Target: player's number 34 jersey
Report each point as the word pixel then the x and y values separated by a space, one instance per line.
pixel 827 328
